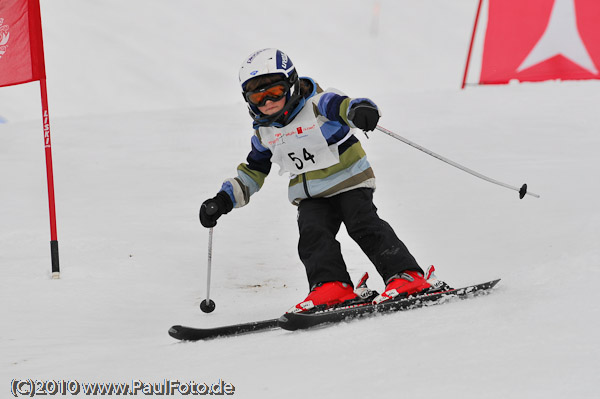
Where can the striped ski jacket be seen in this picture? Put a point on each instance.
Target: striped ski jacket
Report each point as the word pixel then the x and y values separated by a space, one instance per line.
pixel 352 171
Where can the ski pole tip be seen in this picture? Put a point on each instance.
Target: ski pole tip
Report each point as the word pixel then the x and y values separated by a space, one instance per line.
pixel 207 305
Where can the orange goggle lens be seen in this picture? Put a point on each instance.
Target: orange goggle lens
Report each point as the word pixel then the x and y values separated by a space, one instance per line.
pixel 273 93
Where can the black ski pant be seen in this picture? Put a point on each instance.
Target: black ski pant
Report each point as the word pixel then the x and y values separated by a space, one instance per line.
pixel 319 220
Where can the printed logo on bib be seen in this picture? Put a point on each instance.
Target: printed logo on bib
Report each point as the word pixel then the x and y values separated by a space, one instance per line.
pixel 299 132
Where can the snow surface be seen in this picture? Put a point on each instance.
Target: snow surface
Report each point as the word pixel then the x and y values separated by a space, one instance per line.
pixel 147 121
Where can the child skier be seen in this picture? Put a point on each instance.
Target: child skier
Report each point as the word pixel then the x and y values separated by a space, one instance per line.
pixel 307 132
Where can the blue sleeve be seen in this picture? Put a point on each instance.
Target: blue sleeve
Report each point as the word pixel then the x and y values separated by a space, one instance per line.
pixel 228 188
pixel 259 158
pixel 329 106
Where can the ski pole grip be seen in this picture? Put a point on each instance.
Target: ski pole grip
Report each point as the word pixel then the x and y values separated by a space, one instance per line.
pixel 211 208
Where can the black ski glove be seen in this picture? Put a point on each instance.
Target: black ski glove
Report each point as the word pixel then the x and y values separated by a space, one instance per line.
pixel 364 115
pixel 213 208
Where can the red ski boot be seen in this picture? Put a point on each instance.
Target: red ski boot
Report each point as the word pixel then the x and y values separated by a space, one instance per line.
pixel 408 283
pixel 324 296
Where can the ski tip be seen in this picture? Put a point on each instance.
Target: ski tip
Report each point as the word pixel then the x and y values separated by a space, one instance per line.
pixel 175 332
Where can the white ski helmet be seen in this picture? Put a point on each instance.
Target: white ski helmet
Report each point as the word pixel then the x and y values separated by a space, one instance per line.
pixel 266 62
pixel 271 61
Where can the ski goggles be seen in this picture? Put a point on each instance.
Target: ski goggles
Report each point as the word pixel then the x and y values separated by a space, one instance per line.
pixel 273 92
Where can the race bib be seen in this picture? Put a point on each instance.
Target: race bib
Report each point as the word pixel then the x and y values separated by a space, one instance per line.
pixel 300 146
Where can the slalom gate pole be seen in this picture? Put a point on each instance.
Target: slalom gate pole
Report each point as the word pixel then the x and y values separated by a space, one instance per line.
pixel 464 82
pixel 50 179
pixel 522 191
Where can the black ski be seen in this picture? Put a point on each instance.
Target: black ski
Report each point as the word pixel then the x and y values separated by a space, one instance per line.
pixel 300 321
pixel 196 334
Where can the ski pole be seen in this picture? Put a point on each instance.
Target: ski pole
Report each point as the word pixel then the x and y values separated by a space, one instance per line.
pixel 522 191
pixel 208 305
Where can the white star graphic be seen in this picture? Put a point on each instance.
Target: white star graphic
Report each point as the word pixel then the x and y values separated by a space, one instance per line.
pixel 561 37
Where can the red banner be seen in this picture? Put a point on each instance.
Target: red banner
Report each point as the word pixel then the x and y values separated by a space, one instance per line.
pixel 21 47
pixel 535 40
